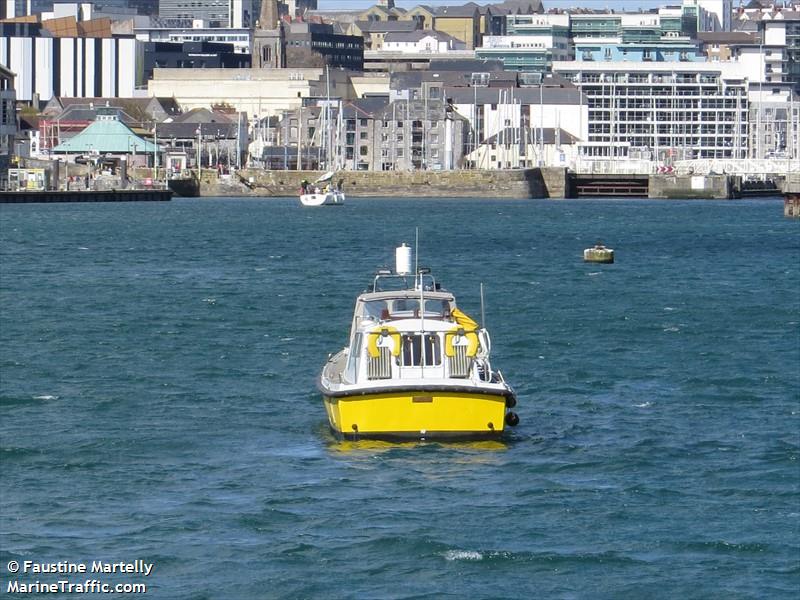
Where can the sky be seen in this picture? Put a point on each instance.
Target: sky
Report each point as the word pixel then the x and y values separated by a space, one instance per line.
pixel 629 5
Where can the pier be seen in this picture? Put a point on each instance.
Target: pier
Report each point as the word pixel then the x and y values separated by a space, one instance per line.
pixel 791 195
pixel 86 196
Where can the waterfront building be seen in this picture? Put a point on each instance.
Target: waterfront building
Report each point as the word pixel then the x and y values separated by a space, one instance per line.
pixel 8 121
pixel 214 137
pixel 109 137
pixel 491 101
pixel 65 57
pixel 371 134
pixel 662 111
pixel 524 147
pixel 63 118
pixel 515 115
pixel 421 134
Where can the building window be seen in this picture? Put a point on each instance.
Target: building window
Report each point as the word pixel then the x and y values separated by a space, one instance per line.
pixel 364 135
pixel 363 150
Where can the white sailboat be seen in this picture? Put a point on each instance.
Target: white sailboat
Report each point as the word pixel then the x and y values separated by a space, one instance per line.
pixel 323 192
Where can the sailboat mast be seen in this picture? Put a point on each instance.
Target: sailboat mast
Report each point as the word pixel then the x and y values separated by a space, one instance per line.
pixel 328 119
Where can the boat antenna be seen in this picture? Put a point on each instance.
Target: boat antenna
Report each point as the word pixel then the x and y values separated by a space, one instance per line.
pixel 416 252
pixel 421 303
pixel 483 316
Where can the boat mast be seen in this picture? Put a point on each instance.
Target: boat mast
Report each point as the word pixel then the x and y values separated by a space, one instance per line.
pixel 423 356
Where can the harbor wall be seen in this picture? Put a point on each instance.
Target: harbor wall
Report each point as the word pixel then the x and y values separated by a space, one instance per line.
pixel 550 182
pixel 791 195
pixel 522 183
pixel 708 187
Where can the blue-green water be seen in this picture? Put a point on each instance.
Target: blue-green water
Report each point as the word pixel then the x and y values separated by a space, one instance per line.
pixel 157 401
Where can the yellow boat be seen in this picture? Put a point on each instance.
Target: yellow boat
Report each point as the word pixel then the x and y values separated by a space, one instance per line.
pixel 416 366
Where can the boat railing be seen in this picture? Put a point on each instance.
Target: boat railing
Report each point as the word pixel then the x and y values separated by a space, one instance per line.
pixel 386 281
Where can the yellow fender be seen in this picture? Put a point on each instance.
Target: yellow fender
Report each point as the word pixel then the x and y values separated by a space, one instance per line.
pixel 382 331
pixel 463 320
pixel 472 341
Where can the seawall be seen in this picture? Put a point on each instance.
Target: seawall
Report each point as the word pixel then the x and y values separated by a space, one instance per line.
pixel 522 183
pixel 518 183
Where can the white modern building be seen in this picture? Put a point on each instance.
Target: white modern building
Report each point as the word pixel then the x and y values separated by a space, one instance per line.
pixel 73 66
pixel 663 111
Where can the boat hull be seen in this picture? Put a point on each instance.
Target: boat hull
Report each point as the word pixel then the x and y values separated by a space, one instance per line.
pixel 322 199
pixel 417 414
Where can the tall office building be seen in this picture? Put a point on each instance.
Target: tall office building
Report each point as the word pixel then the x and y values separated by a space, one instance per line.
pixel 14 8
pixel 217 13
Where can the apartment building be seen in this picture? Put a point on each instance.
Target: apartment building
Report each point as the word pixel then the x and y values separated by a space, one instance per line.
pixel 373 134
pixel 662 111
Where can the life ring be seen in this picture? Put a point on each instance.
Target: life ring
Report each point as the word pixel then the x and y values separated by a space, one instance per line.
pixel 472 341
pixel 383 331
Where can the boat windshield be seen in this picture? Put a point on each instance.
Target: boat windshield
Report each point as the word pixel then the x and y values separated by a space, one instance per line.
pixel 406 308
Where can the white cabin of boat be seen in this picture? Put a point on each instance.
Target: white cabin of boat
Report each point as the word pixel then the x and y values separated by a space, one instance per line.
pixel 411 335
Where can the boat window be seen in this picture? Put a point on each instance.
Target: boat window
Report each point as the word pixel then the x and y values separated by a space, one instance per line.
pixel 375 309
pixel 352 363
pixel 437 307
pixel 412 350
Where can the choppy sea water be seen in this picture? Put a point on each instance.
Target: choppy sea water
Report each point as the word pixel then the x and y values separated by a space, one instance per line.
pixel 157 400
